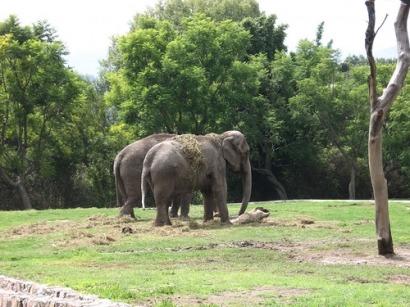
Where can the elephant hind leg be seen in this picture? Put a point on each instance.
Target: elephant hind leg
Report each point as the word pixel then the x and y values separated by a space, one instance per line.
pixel 173 211
pixel 128 207
pixel 163 199
pixel 162 218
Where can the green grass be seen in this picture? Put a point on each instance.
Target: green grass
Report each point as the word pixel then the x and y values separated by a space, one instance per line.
pixel 304 254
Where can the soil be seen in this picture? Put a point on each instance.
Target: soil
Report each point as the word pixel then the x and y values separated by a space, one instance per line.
pixel 340 252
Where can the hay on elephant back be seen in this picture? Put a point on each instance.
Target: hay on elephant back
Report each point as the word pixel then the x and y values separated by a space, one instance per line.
pixel 191 150
pixel 214 137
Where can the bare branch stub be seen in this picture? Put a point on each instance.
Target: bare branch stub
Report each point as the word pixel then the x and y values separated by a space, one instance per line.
pixel 384 20
pixel 405 2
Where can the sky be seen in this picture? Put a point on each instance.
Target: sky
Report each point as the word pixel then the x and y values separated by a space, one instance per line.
pixel 86 26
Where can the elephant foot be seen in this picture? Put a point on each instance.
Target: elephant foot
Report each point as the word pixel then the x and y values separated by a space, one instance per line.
pixel 162 223
pixel 125 212
pixel 227 222
pixel 131 216
pixel 208 219
pixel 127 217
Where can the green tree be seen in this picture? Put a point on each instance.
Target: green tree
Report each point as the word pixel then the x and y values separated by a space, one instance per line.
pixel 35 89
pixel 174 11
pixel 266 128
pixel 183 82
pixel 266 37
pixel 81 152
pixel 396 140
pixel 329 105
pixel 205 80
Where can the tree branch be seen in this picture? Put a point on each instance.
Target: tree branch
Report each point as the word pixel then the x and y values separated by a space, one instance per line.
pixel 403 58
pixel 7 178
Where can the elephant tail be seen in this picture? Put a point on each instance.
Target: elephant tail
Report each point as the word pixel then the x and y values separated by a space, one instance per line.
pixel 119 183
pixel 144 184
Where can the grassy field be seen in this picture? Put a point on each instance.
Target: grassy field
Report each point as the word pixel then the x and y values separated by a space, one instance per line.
pixel 303 254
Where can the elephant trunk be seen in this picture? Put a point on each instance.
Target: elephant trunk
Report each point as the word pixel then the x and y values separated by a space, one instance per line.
pixel 247 187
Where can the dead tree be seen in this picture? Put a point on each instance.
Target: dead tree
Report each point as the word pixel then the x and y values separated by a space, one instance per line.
pixel 379 106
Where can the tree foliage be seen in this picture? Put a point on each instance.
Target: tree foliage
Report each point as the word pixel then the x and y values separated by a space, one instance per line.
pixel 35 89
pixel 45 111
pixel 191 66
pixel 187 81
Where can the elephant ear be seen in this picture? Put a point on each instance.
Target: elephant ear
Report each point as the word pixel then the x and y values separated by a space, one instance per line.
pixel 230 154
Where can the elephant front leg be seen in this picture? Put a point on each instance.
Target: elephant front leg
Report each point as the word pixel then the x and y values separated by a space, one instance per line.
pixel 208 206
pixel 219 201
pixel 224 214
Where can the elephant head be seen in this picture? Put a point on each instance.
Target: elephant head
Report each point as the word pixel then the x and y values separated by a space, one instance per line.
pixel 235 150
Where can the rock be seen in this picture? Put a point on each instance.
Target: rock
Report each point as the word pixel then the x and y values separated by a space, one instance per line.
pixel 256 215
pixel 18 293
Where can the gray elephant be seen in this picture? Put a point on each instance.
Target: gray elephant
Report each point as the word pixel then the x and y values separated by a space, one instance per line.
pixel 188 163
pixel 127 172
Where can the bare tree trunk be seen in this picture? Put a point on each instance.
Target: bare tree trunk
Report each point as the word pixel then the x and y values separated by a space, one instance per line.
pixel 19 184
pixel 276 183
pixel 351 161
pixel 23 193
pixel 379 106
pixel 352 183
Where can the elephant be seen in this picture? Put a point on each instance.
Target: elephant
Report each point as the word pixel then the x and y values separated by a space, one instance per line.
pixel 127 173
pixel 188 163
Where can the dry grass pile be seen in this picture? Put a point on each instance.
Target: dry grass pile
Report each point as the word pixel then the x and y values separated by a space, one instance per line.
pixel 191 150
pixel 214 137
pixel 100 229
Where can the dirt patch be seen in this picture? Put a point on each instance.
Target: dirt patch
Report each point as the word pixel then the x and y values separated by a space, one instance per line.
pixel 340 252
pixel 105 230
pixel 78 233
pixel 353 204
pixel 400 279
pixel 252 297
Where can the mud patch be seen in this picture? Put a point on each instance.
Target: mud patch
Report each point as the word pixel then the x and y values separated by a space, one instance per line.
pixel 353 204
